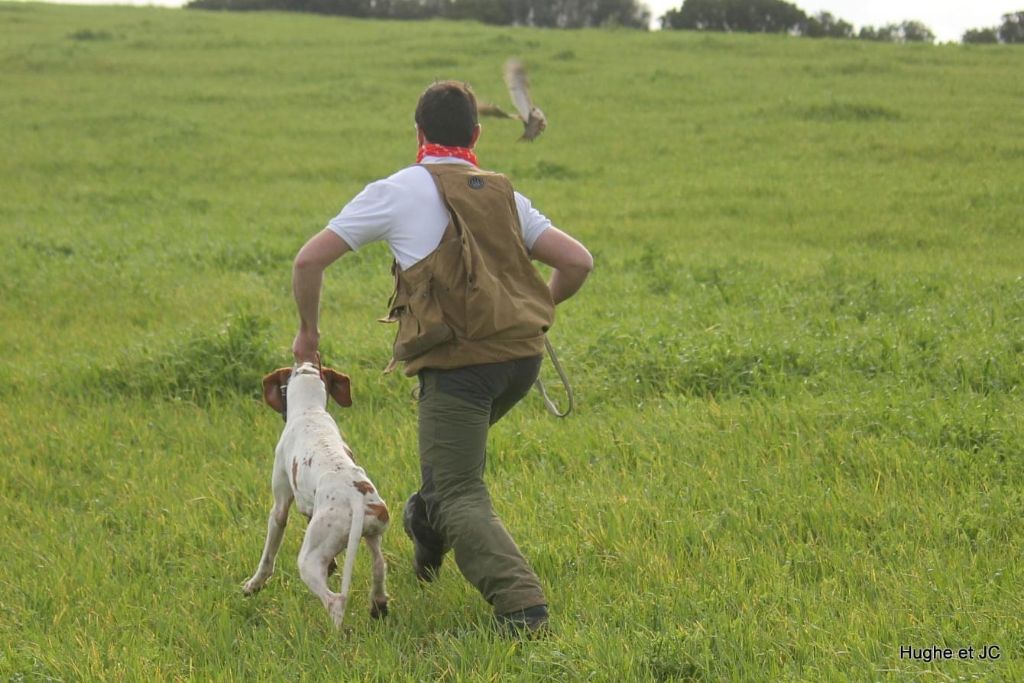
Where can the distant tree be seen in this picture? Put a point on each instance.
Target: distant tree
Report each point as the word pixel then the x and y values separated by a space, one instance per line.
pixel 671 20
pixel 915 32
pixel 486 11
pixel 750 16
pixel 697 15
pixel 630 14
pixel 905 32
pixel 770 16
pixel 981 35
pixel 404 9
pixel 1012 30
pixel 869 32
pixel 824 25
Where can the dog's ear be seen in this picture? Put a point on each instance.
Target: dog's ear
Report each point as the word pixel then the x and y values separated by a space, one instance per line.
pixel 272 384
pixel 338 386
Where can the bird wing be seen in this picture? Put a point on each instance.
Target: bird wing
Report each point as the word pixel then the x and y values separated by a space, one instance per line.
pixel 518 87
pixel 488 109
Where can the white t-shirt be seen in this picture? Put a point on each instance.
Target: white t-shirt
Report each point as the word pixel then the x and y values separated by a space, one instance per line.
pixel 406 210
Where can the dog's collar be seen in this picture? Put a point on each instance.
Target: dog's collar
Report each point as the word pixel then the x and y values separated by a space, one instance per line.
pixel 319 365
pixel 284 402
pixel 284 387
pixel 301 370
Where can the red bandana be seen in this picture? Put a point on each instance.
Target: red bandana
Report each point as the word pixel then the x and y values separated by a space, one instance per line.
pixel 431 150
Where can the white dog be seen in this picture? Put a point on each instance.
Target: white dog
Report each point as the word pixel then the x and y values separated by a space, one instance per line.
pixel 314 467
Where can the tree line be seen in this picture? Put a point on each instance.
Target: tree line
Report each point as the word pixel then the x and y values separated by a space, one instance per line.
pixel 749 16
pixel 542 13
pixel 1010 31
pixel 778 16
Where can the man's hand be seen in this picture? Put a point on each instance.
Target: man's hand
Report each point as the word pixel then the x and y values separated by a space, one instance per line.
pixel 306 347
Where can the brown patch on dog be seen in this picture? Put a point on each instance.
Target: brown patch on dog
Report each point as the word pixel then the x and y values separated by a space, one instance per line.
pixel 350 454
pixel 295 470
pixel 380 511
pixel 363 487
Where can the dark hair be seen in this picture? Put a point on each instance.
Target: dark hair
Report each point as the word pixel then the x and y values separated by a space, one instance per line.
pixel 446 113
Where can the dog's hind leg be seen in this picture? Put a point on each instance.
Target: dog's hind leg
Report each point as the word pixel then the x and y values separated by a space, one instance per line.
pixel 275 531
pixel 325 537
pixel 379 596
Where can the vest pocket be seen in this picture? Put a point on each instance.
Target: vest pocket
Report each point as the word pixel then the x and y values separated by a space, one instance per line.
pixel 519 309
pixel 421 324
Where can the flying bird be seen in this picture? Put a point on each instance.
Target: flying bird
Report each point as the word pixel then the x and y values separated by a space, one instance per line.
pixel 534 121
pixel 519 89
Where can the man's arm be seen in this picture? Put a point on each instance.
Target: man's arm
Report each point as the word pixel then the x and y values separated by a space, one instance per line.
pixel 570 259
pixel 320 251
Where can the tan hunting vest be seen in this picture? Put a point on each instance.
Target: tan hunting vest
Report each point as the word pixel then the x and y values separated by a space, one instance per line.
pixel 477 298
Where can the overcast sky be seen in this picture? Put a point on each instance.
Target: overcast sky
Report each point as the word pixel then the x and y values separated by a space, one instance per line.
pixel 948 19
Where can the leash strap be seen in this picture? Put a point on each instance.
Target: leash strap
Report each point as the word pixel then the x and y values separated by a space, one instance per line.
pixel 551 406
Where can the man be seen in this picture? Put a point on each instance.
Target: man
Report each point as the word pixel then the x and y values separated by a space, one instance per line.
pixel 472 313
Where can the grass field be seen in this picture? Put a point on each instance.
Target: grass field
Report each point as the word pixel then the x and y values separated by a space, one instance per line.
pixel 799 362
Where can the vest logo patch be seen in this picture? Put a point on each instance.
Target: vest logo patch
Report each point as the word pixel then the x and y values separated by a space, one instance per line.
pixel 476 182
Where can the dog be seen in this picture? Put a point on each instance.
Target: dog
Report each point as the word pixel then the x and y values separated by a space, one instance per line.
pixel 315 468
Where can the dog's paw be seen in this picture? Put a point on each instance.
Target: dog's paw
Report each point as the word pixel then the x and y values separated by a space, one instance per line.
pixel 336 608
pixel 379 610
pixel 252 586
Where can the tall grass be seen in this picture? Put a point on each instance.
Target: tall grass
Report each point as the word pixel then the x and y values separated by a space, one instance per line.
pixel 799 362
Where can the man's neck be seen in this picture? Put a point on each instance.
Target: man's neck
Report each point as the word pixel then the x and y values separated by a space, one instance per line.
pixel 430 149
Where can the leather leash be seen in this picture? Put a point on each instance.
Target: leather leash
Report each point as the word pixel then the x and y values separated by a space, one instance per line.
pixel 551 406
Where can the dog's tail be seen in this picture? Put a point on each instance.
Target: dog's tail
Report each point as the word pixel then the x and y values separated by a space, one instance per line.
pixel 355 532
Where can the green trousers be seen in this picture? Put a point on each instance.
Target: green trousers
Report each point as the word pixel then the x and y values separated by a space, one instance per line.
pixel 456 409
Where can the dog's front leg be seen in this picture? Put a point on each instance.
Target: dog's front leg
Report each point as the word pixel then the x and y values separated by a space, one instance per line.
pixel 283 497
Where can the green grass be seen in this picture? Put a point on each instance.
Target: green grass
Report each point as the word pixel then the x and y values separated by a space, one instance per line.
pixel 799 363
